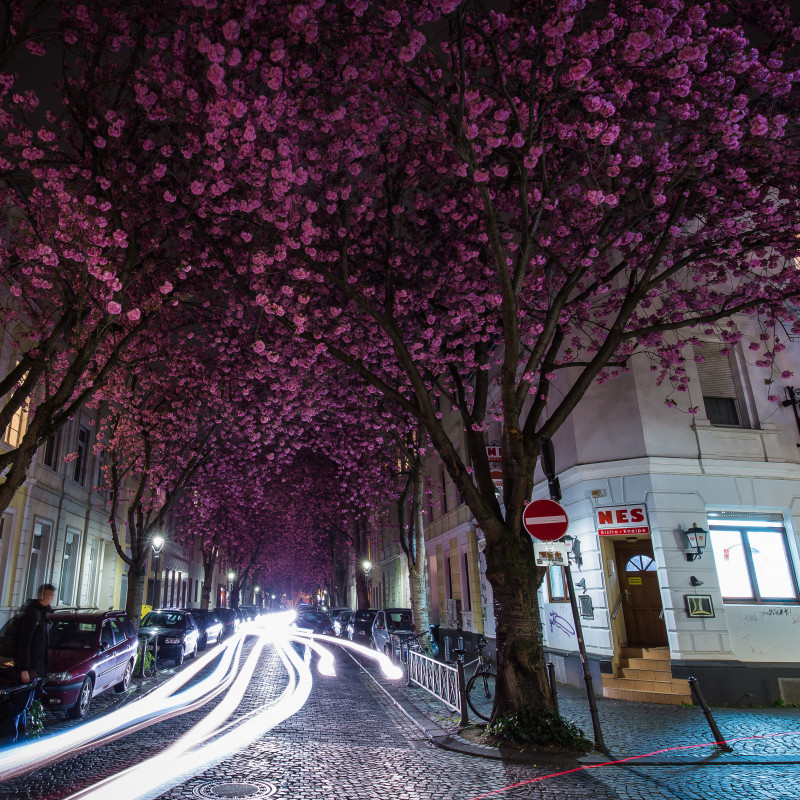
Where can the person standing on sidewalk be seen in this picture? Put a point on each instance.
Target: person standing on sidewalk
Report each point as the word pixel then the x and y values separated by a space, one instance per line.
pixel 30 661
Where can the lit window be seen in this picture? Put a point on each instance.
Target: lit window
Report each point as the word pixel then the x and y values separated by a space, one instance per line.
pixel 557 585
pixel 641 563
pixel 752 560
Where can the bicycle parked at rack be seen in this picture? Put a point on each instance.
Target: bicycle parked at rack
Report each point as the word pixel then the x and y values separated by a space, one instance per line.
pixel 406 642
pixel 481 685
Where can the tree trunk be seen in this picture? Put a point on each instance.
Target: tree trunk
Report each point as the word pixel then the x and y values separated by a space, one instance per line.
pixel 415 554
pixel 234 598
pixel 514 577
pixel 135 598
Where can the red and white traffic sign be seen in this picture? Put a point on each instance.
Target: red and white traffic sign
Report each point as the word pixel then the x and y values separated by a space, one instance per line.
pixel 545 520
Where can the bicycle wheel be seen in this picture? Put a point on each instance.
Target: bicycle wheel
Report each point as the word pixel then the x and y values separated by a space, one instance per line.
pixel 480 694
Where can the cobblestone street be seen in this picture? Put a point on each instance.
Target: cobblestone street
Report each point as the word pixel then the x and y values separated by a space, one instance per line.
pixel 358 737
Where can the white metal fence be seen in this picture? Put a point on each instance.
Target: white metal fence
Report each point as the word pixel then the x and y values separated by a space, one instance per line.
pixel 441 680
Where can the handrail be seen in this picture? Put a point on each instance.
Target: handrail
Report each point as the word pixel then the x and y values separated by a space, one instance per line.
pixel 616 607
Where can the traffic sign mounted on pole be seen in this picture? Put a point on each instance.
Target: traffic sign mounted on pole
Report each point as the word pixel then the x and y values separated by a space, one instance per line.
pixel 545 520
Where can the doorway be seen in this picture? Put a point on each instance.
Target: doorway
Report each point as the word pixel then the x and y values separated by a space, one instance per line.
pixel 641 597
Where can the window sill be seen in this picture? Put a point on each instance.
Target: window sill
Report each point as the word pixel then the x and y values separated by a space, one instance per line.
pixel 741 444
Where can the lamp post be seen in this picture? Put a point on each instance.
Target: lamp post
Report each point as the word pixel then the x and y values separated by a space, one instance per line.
pixel 367 565
pixel 256 590
pixel 158 545
pixel 231 578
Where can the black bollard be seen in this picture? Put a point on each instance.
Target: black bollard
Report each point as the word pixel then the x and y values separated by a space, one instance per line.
pixel 551 676
pixel 694 685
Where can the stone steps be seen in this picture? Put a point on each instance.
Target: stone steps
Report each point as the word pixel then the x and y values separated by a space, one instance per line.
pixel 644 675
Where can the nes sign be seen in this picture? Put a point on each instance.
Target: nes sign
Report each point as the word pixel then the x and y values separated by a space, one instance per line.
pixel 628 520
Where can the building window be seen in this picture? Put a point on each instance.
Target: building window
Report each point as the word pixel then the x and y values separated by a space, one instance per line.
pixel 17 427
pixel 68 568
pixel 718 385
pixel 752 558
pixel 81 462
pixel 50 457
pixel 467 589
pixel 557 585
pixel 41 534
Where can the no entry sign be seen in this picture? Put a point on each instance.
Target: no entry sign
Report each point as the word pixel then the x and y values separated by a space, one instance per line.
pixel 545 520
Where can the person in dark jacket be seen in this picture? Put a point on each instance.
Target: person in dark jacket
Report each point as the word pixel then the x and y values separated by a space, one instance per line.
pixel 30 662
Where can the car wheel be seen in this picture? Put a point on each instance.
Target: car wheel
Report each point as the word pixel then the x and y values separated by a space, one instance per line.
pixel 194 652
pixel 123 685
pixel 387 651
pixel 179 659
pixel 78 711
pixel 372 645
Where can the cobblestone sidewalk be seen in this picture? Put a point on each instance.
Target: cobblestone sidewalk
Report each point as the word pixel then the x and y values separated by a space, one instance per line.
pixel 635 729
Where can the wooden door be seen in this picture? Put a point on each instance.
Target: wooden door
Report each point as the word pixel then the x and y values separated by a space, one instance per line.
pixel 641 597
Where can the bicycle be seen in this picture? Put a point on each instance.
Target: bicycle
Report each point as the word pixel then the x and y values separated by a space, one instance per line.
pixel 412 641
pixel 481 686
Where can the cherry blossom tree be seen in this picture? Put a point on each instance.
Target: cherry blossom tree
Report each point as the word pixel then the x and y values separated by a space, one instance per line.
pixel 464 202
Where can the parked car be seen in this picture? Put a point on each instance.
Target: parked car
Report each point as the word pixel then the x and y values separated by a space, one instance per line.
pixel 388 623
pixel 340 621
pixel 359 627
pixel 334 612
pixel 249 612
pixel 229 620
pixel 208 625
pixel 176 630
pixel 89 653
pixel 310 621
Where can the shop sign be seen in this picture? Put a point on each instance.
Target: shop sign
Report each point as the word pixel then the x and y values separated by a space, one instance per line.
pixel 628 520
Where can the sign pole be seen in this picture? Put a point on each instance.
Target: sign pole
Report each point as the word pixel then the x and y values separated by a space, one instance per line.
pixel 587 675
pixel 549 466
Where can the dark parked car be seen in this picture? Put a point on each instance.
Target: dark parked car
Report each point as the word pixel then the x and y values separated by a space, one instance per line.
pixel 176 630
pixel 359 629
pixel 229 620
pixel 340 621
pixel 89 653
pixel 208 625
pixel 310 621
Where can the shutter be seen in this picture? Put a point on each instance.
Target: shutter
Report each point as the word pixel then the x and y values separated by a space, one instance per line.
pixel 749 516
pixel 715 373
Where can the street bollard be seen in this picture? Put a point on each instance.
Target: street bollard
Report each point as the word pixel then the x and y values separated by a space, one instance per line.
pixel 551 676
pixel 694 685
pixel 462 688
pixel 447 658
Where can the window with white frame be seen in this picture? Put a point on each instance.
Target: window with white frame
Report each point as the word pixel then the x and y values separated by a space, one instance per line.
pixel 752 556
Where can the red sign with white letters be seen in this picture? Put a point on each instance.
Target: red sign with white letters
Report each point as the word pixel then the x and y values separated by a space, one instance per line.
pixel 630 520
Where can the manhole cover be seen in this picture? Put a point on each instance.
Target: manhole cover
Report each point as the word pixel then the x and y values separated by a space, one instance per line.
pixel 252 790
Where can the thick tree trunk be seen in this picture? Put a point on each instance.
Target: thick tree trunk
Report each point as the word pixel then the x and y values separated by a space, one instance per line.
pixel 415 555
pixel 521 666
pixel 234 598
pixel 135 598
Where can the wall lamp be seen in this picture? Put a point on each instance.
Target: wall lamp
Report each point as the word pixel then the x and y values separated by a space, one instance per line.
pixel 696 538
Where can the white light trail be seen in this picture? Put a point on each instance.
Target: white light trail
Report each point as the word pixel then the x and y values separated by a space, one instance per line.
pixel 211 739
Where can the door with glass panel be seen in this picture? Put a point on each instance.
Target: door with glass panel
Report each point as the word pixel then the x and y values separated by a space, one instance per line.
pixel 641 594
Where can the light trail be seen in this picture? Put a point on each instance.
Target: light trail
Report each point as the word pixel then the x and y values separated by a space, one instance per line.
pixel 213 738
pixel 586 767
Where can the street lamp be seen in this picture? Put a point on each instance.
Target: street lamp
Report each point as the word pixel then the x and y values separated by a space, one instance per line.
pixel 158 545
pixel 367 566
pixel 231 577
pixel 256 590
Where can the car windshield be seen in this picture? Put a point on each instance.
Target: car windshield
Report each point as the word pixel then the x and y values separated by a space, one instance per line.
pixel 69 634
pixel 163 619
pixel 313 618
pixel 364 616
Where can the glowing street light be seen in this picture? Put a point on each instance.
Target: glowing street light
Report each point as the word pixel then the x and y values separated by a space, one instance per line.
pixel 157 544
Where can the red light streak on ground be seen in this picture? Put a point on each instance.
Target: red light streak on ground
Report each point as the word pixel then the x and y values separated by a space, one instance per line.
pixel 629 758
